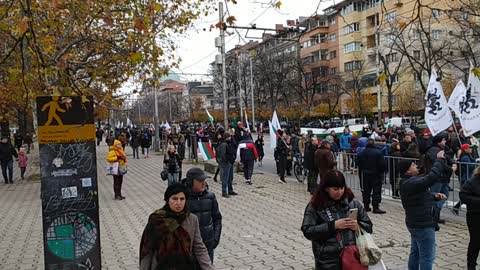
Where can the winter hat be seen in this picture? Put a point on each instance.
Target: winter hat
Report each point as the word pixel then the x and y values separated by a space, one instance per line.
pixel 466 146
pixel 174 189
pixel 439 137
pixel 427 132
pixel 404 165
pixel 355 133
pixel 117 142
pixel 196 174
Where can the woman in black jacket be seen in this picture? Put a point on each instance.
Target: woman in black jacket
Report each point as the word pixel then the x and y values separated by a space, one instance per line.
pixel 470 195
pixel 173 164
pixel 326 224
pixel 394 156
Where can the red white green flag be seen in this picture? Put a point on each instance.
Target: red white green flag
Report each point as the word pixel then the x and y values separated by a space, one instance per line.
pixel 206 150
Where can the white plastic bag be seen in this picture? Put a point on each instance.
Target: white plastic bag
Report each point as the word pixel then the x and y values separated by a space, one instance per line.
pixel 379 266
pixel 112 168
pixel 370 253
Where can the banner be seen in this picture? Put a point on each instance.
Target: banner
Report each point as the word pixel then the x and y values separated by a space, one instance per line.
pixel 206 150
pixel 274 128
pixel 437 114
pixel 273 136
pixel 456 97
pixel 469 105
pixel 69 191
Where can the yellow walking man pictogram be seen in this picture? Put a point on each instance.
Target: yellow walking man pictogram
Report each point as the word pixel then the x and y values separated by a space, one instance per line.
pixel 52 111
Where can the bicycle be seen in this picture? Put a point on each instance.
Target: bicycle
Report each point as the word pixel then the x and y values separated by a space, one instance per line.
pixel 300 172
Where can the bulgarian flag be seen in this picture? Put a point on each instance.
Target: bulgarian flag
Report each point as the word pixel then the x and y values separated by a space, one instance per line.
pixel 210 117
pixel 389 128
pixel 206 150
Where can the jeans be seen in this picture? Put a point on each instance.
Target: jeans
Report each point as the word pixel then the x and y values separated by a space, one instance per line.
pixel 248 169
pixel 347 159
pixel 7 165
pixel 172 178
pixel 225 170
pixel 473 223
pixel 422 250
pixel 440 188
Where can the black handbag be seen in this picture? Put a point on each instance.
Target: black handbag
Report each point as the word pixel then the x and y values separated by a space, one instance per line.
pixel 164 175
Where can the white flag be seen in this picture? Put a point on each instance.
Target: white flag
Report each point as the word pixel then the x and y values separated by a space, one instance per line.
pixel 456 97
pixel 469 106
pixel 246 121
pixel 273 137
pixel 274 126
pixel 437 113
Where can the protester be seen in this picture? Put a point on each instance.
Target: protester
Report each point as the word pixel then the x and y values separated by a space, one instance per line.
pixel 22 162
pixel 219 138
pixel 7 152
pixel 309 163
pixel 99 135
pixel 204 205
pixel 18 139
pixel 326 220
pixel 372 165
pixel 225 164
pixel 28 141
pixel 470 195
pixel 442 186
pixel 146 142
pixel 172 162
pixel 123 139
pixel 116 154
pixel 248 156
pixel 394 174
pixel 467 166
pixel 172 238
pixel 290 154
pixel 421 212
pixel 324 159
pixel 135 143
pixel 259 143
pixel 282 154
pixel 110 139
pixel 346 148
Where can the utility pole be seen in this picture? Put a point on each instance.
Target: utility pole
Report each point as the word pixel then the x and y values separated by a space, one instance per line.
pixel 169 106
pixel 251 90
pixel 240 87
pixel 157 131
pixel 224 72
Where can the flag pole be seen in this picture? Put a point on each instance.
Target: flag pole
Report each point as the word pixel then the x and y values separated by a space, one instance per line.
pixel 455 128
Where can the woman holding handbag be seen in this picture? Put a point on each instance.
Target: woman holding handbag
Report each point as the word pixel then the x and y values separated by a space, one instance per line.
pixel 327 224
pixel 116 154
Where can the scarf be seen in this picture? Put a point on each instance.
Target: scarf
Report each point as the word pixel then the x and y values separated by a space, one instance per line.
pixel 167 240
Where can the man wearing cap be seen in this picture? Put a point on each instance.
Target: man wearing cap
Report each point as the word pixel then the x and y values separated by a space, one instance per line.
pixel 7 152
pixel 442 186
pixel 421 212
pixel 372 166
pixel 204 205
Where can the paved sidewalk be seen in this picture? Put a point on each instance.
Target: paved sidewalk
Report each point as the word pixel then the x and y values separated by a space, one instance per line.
pixel 261 226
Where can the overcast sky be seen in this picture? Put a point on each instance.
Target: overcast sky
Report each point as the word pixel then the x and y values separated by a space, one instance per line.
pixel 198 50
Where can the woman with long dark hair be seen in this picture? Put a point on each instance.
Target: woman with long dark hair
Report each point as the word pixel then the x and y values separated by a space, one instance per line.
pixel 172 240
pixel 326 222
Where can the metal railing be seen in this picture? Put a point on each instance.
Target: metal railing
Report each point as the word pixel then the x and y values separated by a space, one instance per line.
pixel 347 163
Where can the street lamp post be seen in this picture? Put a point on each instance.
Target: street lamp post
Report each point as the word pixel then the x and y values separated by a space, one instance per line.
pixel 251 90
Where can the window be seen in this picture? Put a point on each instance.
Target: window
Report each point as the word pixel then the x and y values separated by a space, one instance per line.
pixel 435 13
pixel 391 58
pixel 332 21
pixel 436 34
pixel 416 54
pixel 332 55
pixel 332 37
pixel 352 65
pixel 324 55
pixel 391 16
pixel 416 33
pixel 465 16
pixel 333 71
pixel 354 27
pixel 353 47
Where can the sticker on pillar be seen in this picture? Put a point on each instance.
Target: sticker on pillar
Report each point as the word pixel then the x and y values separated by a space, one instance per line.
pixel 69 192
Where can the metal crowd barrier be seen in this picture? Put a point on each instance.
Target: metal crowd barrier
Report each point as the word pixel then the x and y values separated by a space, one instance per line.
pixel 347 163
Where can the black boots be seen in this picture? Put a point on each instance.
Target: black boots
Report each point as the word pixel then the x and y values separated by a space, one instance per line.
pixel 377 210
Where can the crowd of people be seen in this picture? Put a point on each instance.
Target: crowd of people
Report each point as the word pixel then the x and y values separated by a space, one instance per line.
pixel 419 169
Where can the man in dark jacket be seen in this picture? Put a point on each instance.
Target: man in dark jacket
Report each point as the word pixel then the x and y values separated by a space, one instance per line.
pixel 372 166
pixel 324 159
pixel 7 152
pixel 421 212
pixel 439 144
pixel 282 153
pixel 204 205
pixel 224 160
pixel 99 135
pixel 308 162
